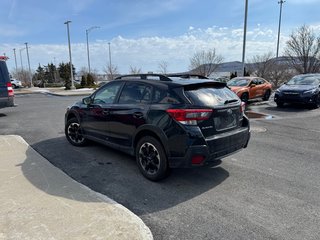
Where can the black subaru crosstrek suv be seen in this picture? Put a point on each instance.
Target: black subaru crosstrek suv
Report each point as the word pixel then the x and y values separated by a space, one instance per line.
pixel 164 121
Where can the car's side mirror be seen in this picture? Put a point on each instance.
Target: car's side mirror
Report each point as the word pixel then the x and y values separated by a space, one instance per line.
pixel 87 100
pixel 253 85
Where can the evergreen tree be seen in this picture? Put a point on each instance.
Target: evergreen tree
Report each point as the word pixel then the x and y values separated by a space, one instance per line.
pixel 39 77
pixel 83 81
pixel 64 71
pixel 90 80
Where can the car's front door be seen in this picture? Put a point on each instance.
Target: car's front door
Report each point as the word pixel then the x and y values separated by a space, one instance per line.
pixel 96 115
pixel 254 88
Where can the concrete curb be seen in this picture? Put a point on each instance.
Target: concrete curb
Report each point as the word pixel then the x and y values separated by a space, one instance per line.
pixel 39 201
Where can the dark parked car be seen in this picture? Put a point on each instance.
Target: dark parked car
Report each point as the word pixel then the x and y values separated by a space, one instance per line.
pixel 165 122
pixel 6 90
pixel 304 88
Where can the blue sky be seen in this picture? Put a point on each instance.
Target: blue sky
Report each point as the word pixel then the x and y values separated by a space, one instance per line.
pixel 144 33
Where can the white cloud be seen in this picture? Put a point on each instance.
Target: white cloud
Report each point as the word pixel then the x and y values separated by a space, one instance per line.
pixel 147 52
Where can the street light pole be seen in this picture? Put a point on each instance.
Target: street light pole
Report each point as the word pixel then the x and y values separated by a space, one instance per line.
pixel 244 37
pixel 71 69
pixel 280 15
pixel 15 58
pixel 87 34
pixel 30 76
pixel 110 65
pixel 20 50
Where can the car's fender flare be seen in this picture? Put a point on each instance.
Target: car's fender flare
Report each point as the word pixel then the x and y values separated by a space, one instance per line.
pixel 157 132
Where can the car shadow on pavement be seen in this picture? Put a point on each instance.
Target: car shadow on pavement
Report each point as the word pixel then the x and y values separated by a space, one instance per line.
pixel 116 175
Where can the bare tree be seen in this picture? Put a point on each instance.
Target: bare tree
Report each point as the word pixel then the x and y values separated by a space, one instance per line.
pixel 205 62
pixel 163 67
pixel 279 74
pixel 111 71
pixel 22 75
pixel 270 68
pixel 303 49
pixel 135 70
pixel 260 65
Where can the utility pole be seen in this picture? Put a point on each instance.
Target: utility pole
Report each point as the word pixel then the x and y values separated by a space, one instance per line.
pixel 15 58
pixel 110 65
pixel 30 76
pixel 88 52
pixel 20 50
pixel 244 37
pixel 71 69
pixel 280 15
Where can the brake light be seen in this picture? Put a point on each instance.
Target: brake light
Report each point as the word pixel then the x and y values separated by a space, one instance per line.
pixel 10 89
pixel 197 159
pixel 189 116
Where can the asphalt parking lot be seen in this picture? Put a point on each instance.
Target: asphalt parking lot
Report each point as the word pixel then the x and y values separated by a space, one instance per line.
pixel 270 190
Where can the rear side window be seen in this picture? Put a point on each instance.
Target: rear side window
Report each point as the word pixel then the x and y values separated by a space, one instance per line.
pixel 165 97
pixel 135 93
pixel 211 97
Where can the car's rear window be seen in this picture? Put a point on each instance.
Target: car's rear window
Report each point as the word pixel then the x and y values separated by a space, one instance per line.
pixel 211 97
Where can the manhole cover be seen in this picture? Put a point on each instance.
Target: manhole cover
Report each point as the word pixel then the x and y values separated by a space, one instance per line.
pixel 258 129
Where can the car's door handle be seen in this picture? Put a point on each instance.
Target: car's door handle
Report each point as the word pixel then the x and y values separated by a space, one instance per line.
pixel 138 115
pixel 106 112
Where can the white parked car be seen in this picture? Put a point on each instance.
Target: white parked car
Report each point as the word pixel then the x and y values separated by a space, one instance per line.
pixel 16 83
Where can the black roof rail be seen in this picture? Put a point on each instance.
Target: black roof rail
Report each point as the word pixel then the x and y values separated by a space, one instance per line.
pixel 145 76
pixel 186 75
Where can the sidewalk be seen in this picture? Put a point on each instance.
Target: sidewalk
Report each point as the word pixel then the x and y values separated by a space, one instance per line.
pixel 55 91
pixel 39 201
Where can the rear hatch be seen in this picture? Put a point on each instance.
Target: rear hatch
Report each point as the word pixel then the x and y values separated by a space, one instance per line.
pixel 227 109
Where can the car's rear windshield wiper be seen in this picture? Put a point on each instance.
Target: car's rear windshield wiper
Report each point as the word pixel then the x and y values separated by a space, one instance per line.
pixel 231 101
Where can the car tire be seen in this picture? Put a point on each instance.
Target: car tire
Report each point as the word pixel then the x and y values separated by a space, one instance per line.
pixel 244 97
pixel 266 95
pixel 280 104
pixel 13 86
pixel 151 158
pixel 74 134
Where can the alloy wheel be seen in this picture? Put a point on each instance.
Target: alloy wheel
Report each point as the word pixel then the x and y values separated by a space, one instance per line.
pixel 74 133
pixel 149 158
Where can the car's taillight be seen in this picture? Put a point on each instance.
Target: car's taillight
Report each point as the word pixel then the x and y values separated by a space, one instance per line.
pixel 189 116
pixel 197 159
pixel 10 89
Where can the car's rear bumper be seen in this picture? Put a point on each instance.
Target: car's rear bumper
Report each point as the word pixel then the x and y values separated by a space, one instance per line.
pixel 216 148
pixel 7 102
